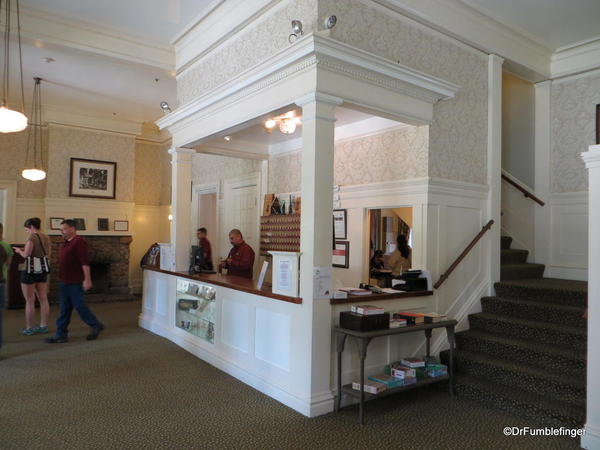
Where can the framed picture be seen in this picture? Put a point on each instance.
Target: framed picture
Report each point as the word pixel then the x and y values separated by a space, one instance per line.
pixel 121 225
pixel 91 178
pixel 55 223
pixel 102 224
pixel 79 224
pixel 339 224
pixel 597 124
pixel 341 255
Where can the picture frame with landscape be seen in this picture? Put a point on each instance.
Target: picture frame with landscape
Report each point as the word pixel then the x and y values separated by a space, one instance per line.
pixel 92 178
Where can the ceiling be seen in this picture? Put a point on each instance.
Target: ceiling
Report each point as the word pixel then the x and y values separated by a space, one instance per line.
pixel 551 23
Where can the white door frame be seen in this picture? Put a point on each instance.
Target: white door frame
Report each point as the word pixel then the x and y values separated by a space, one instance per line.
pixel 197 191
pixel 10 209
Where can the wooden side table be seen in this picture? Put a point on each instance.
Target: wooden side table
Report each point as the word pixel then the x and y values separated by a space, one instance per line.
pixel 364 338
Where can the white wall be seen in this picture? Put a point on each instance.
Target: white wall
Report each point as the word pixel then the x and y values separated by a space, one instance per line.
pixel 518 214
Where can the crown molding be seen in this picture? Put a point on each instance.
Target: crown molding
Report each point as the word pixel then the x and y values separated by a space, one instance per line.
pixel 41 26
pixel 573 59
pixel 222 151
pixel 464 23
pixel 329 54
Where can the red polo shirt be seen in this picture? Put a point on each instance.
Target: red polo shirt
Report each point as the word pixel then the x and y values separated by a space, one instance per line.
pixel 242 261
pixel 73 255
pixel 205 245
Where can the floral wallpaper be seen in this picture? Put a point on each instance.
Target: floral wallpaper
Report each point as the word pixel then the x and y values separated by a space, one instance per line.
pixel 573 116
pixel 213 168
pixel 246 49
pixel 152 178
pixel 395 155
pixel 458 135
pixel 70 142
pixel 13 155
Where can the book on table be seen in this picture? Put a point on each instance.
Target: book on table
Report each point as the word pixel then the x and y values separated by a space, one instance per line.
pixel 389 381
pixel 397 323
pixel 371 387
pixel 413 362
pixel 410 317
pixel 434 317
pixel 367 310
pixel 355 291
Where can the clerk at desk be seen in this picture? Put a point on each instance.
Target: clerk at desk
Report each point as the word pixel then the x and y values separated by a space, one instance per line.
pixel 204 244
pixel 240 261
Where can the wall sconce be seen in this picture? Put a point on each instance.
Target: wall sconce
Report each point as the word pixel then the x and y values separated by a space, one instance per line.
pixel 287 122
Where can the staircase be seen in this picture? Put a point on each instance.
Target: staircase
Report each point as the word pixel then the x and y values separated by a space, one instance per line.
pixel 526 352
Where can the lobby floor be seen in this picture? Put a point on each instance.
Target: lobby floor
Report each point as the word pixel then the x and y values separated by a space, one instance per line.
pixel 133 389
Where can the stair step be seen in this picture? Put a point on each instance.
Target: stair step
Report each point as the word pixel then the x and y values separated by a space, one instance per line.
pixel 513 256
pixel 505 242
pixel 511 374
pixel 524 352
pixel 538 311
pixel 520 271
pixel 550 290
pixel 519 402
pixel 543 333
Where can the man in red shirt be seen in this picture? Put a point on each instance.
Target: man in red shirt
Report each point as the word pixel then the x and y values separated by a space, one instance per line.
pixel 240 261
pixel 204 244
pixel 75 278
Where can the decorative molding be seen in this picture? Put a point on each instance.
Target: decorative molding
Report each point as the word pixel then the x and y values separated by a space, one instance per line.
pixel 234 153
pixel 579 57
pixel 592 157
pixel 61 116
pixel 314 50
pixel 42 25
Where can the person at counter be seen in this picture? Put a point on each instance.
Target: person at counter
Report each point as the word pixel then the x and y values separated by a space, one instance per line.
pixel 240 261
pixel 204 244
pixel 400 259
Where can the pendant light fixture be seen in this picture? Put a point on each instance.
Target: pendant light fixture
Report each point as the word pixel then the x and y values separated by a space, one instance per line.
pixel 11 120
pixel 35 140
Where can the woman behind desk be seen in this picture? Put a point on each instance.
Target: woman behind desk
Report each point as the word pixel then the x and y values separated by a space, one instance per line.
pixel 400 259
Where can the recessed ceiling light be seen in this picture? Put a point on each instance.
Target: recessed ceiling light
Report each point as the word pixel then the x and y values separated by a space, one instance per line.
pixel 227 138
pixel 156 80
pixel 48 60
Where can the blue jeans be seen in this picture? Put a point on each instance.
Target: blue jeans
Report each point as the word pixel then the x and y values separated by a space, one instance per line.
pixel 2 297
pixel 71 296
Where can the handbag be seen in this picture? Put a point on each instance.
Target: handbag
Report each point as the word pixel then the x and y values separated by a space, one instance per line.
pixel 37 265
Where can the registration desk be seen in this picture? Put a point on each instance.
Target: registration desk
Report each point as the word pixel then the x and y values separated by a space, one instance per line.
pixel 266 340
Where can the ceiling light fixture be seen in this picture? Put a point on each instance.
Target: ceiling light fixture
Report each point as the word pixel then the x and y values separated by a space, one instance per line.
pixel 227 138
pixel 11 120
pixel 165 107
pixel 35 143
pixel 287 122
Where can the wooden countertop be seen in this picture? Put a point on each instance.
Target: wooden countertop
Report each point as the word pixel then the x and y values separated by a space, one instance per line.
pixel 231 282
pixel 372 297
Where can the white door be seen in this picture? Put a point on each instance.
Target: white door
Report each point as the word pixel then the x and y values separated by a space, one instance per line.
pixel 240 210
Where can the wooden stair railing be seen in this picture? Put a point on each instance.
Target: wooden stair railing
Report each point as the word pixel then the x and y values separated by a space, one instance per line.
pixel 525 192
pixel 447 273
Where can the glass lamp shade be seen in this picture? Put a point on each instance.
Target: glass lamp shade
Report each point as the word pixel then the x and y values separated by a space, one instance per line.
pixel 11 121
pixel 287 126
pixel 33 174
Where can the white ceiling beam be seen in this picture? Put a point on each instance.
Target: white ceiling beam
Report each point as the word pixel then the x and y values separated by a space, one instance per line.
pixel 42 27
pixel 576 58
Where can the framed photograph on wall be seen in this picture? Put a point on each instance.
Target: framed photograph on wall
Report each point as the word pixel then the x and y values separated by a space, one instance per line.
pixel 79 224
pixel 121 225
pixel 341 255
pixel 102 224
pixel 340 226
pixel 91 178
pixel 55 223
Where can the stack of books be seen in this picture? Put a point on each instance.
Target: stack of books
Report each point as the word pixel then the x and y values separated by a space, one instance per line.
pixel 367 310
pixel 415 318
pixel 371 387
pixel 389 381
pixel 413 363
pixel 397 323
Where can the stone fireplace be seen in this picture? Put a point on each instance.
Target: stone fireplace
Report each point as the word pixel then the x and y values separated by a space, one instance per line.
pixel 109 266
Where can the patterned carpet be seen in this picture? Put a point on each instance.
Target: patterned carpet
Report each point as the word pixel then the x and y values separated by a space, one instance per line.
pixel 132 389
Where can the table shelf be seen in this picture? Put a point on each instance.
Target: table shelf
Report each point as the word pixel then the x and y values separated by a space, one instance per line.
pixel 347 389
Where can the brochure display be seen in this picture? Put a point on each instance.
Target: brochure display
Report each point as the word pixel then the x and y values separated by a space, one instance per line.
pixel 286 273
pixel 195 309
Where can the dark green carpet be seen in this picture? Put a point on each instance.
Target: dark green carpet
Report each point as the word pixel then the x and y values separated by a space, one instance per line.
pixel 132 389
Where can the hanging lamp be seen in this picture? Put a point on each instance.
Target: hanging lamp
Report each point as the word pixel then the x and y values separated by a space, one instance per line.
pixel 11 119
pixel 35 142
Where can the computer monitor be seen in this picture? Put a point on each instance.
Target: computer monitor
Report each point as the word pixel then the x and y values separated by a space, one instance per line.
pixel 197 262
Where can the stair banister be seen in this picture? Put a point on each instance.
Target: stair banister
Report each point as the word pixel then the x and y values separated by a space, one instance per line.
pixel 476 239
pixel 525 192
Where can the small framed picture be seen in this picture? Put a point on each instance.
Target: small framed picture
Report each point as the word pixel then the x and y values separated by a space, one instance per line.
pixel 79 224
pixel 121 225
pixel 341 255
pixel 102 224
pixel 339 224
pixel 91 178
pixel 55 223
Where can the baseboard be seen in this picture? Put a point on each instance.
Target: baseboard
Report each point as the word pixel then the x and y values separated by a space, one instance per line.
pixel 318 405
pixel 567 273
pixel 591 437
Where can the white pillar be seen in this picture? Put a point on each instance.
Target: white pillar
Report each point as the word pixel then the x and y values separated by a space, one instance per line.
pixel 494 157
pixel 318 119
pixel 181 207
pixel 542 239
pixel 591 439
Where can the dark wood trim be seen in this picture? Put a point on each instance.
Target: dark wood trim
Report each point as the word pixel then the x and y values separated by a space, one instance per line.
pixel 231 282
pixel 447 273
pixel 598 124
pixel 525 192
pixel 93 196
pixel 378 297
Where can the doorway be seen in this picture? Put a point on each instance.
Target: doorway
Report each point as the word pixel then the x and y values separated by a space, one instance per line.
pixel 205 214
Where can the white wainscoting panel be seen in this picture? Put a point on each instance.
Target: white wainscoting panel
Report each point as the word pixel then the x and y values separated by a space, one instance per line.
pixel 272 338
pixel 162 296
pixel 235 327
